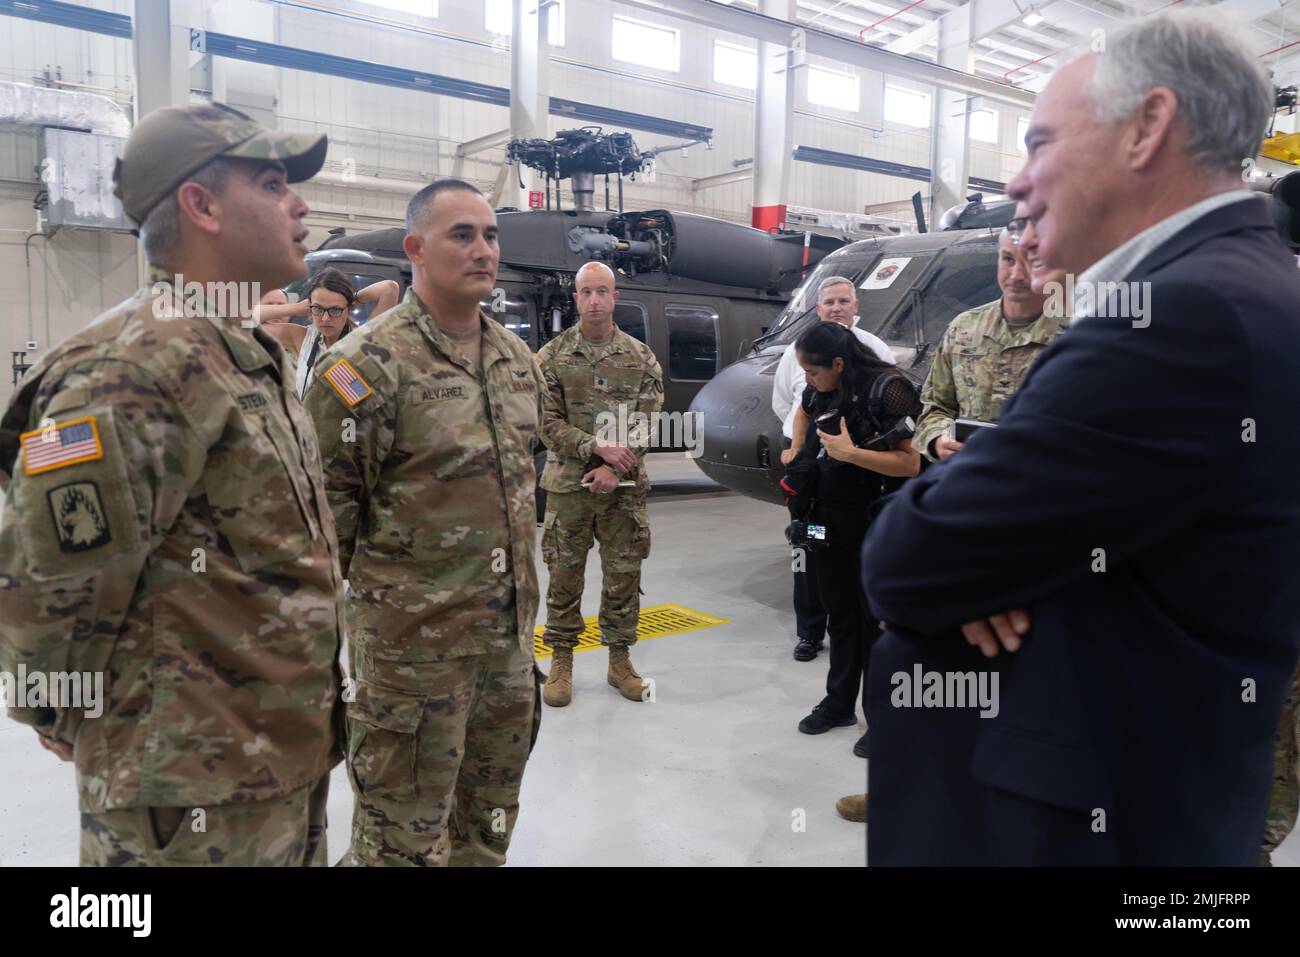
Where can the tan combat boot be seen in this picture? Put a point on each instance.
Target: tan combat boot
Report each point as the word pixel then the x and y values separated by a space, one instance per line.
pixel 558 690
pixel 623 676
pixel 853 807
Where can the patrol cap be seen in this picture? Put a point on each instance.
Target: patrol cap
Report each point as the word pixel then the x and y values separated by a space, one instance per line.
pixel 169 144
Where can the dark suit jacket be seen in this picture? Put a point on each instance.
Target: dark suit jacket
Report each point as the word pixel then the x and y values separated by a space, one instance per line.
pixel 1128 732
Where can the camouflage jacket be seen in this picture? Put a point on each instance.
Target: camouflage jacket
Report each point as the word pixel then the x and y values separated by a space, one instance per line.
pixel 593 389
pixel 429 471
pixel 165 525
pixel 979 364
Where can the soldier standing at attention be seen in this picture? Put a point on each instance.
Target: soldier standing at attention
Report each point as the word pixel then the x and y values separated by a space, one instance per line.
pixel 984 355
pixel 593 370
pixel 426 417
pixel 165 526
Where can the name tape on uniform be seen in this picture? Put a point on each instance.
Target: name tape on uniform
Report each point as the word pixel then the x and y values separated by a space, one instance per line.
pixel 350 386
pixel 58 446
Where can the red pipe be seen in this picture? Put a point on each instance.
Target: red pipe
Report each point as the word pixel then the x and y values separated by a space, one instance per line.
pixel 1017 69
pixel 1283 47
pixel 1042 58
pixel 872 26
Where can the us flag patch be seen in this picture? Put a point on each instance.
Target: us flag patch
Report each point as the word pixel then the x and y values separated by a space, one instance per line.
pixel 58 446
pixel 350 386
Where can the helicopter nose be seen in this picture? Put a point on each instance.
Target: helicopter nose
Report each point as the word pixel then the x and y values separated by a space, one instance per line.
pixel 740 435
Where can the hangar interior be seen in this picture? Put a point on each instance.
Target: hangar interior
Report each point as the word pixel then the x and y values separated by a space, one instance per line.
pixel 823 117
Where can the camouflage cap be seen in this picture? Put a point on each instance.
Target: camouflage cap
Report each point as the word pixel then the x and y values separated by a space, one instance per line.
pixel 170 144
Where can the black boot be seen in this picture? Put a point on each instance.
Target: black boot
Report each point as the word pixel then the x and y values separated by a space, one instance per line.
pixel 806 650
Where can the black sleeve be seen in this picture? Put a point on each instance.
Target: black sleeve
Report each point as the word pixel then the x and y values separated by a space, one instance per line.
pixel 1115 438
pixel 899 398
pixel 808 400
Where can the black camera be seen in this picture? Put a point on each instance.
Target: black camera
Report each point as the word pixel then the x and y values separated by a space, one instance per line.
pixel 807 535
pixel 829 422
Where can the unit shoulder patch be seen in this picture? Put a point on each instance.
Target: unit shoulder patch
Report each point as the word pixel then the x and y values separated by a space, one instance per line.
pixel 345 381
pixel 57 446
pixel 79 520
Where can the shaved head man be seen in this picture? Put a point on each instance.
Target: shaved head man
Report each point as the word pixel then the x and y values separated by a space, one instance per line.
pixel 596 375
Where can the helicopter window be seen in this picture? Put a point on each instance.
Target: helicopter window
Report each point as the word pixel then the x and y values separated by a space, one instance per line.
pixel 361 311
pixel 514 313
pixel 692 342
pixel 966 279
pixel 630 317
pixel 804 299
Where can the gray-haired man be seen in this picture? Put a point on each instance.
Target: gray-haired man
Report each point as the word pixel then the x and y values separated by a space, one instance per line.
pixel 1122 549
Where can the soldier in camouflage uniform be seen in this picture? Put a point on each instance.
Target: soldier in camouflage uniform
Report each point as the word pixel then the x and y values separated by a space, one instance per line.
pixel 1284 799
pixel 597 376
pixel 165 525
pixel 984 355
pixel 426 418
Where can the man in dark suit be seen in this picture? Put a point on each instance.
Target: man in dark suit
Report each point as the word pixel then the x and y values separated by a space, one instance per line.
pixel 1117 560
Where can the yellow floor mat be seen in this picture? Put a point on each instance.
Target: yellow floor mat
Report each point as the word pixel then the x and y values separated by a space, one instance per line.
pixel 655 622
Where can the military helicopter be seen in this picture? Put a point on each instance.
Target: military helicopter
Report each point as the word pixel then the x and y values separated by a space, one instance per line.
pixel 909 289
pixel 698 290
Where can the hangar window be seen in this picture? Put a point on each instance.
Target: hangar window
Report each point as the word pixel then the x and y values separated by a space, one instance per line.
pixel 630 317
pixel 421 8
pixel 906 107
pixel 833 88
pixel 984 126
pixel 1022 127
pixel 735 65
pixel 497 19
pixel 692 342
pixel 648 44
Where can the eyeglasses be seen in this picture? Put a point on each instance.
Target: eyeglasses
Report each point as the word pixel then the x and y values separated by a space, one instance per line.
pixel 334 311
pixel 1016 229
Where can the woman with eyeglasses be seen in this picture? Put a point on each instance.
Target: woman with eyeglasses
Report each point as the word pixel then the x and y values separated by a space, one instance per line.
pixel 330 301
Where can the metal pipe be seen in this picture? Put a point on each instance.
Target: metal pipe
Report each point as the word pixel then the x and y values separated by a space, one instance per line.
pixel 1283 47
pixel 872 26
pixel 380 184
pixel 584 190
pixel 1023 65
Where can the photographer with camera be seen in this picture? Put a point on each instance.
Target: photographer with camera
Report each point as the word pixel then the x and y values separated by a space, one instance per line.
pixel 852 444
pixel 837 301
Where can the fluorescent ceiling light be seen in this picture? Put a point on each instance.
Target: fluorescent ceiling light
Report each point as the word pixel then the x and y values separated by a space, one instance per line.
pixel 1033 19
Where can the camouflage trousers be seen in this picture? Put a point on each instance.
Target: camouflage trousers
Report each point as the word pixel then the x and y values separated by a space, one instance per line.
pixel 574 520
pixel 287 831
pixel 436 754
pixel 1284 799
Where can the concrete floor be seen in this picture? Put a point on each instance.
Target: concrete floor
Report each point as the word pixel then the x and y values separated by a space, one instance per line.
pixel 712 772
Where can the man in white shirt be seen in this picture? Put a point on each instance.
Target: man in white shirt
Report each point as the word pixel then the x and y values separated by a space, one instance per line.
pixel 837 301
